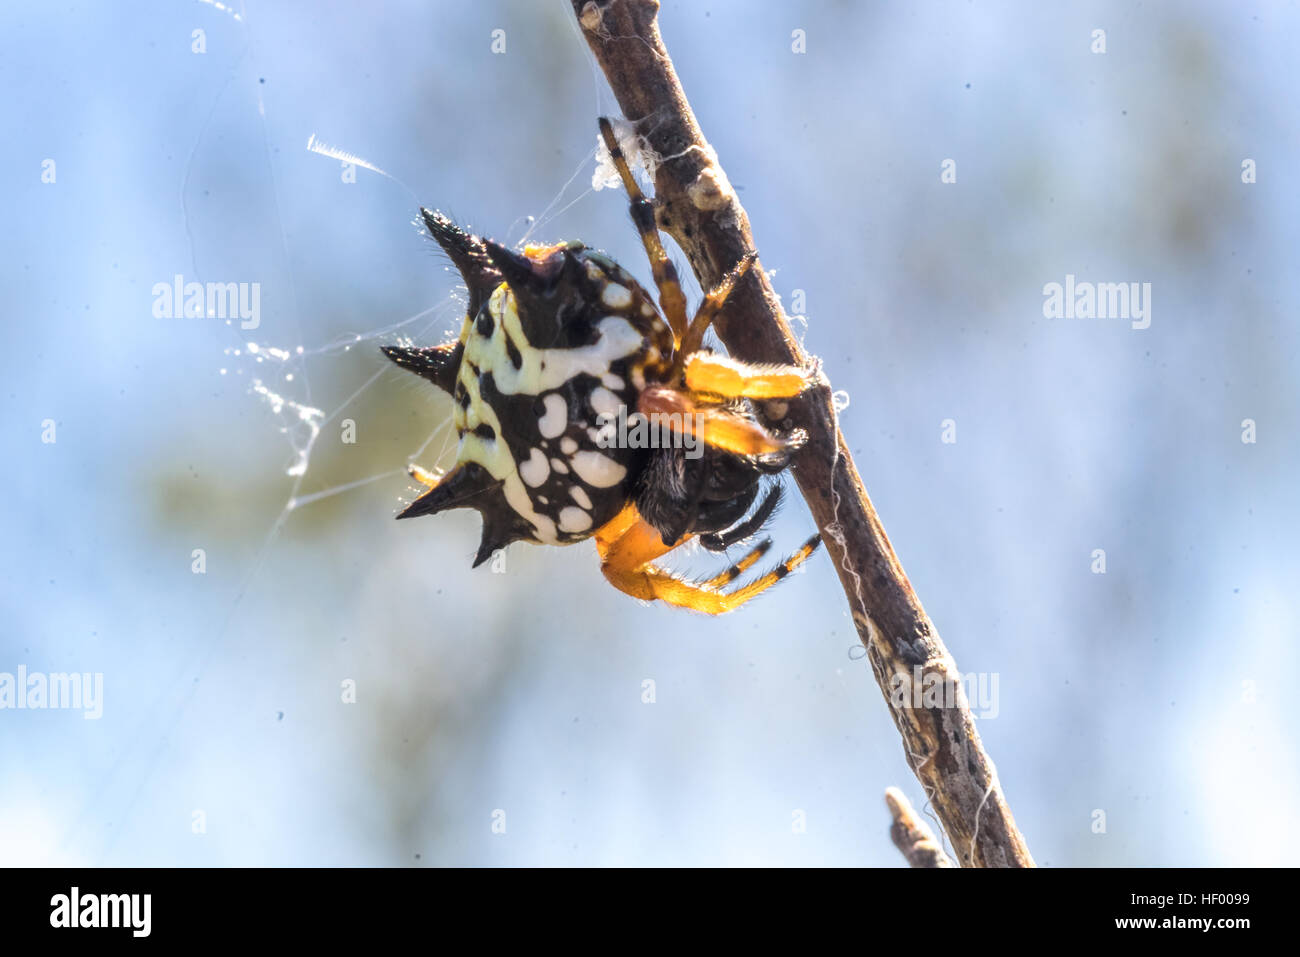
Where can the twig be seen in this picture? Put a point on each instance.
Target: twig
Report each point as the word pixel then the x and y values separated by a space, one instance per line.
pixel 697 207
pixel 913 836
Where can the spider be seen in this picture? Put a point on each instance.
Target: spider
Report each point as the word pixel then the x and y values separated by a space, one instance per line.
pixel 557 342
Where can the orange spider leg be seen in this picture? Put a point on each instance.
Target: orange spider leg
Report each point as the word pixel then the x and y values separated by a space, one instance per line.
pixel 628 545
pixel 742 566
pixel 615 528
pixel 733 379
pixel 711 306
pixel 713 426
pixel 422 475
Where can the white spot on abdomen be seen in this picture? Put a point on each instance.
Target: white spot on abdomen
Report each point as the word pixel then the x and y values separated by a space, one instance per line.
pixel 574 519
pixel 536 470
pixel 556 418
pixel 598 471
pixel 616 296
pixel 580 496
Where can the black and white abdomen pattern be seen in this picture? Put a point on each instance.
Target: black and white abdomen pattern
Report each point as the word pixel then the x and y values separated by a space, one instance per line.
pixel 529 413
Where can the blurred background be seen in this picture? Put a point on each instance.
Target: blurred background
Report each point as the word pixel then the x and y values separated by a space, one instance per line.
pixel 1140 714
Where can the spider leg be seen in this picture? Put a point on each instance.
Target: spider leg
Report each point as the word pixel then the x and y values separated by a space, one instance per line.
pixel 720 603
pixel 718 541
pixel 671 298
pixel 721 375
pixel 423 475
pixel 742 566
pixel 628 545
pixel 714 426
pixel 713 303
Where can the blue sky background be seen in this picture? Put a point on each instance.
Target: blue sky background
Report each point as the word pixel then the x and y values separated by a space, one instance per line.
pixel 1155 692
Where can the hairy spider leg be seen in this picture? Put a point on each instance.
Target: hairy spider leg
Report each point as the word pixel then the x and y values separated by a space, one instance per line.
pixel 671 298
pixel 712 305
pixel 711 425
pixel 730 378
pixel 740 567
pixel 628 546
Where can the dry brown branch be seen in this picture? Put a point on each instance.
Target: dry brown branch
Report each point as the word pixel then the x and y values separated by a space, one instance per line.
pixel 913 836
pixel 698 208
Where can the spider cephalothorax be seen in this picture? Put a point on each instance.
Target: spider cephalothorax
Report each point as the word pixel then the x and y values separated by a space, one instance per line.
pixel 558 344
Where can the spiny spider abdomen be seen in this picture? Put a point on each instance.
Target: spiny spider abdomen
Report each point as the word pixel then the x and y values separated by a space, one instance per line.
pixel 557 343
pixel 553 338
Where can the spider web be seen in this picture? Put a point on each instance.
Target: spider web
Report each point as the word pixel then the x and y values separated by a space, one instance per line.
pixel 276 379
